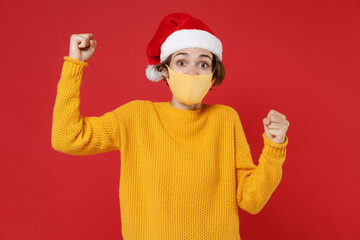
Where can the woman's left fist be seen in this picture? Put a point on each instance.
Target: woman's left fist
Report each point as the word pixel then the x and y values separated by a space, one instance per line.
pixel 276 126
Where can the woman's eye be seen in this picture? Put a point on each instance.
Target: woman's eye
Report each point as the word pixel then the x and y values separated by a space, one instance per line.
pixel 178 63
pixel 204 65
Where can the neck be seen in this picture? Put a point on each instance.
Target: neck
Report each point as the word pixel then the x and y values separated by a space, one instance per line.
pixel 175 103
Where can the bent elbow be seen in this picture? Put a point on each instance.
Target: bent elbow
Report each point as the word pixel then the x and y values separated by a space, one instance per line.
pixel 59 145
pixel 252 205
pixel 252 209
pixel 55 144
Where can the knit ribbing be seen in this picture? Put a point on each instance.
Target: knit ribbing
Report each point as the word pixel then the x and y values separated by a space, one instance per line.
pixel 274 152
pixel 184 173
pixel 73 67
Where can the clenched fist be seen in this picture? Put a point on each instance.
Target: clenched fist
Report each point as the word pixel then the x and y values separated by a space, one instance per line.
pixel 82 46
pixel 276 126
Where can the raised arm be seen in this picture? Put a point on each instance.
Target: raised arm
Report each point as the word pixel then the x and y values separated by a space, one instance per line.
pixel 72 133
pixel 255 184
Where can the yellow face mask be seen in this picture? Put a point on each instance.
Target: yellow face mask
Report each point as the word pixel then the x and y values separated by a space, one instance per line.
pixel 189 89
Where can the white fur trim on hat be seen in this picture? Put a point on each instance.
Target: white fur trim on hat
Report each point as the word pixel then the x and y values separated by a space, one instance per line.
pixel 190 38
pixel 153 74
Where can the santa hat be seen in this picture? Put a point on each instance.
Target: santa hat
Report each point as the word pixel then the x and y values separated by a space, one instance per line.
pixel 175 32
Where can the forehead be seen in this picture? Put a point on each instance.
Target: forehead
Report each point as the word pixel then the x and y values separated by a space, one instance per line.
pixel 193 51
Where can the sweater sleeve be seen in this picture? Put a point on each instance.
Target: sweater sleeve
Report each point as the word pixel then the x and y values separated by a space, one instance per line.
pixel 72 133
pixel 255 184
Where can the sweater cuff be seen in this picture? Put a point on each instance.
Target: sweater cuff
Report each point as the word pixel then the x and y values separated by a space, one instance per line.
pixel 274 152
pixel 73 67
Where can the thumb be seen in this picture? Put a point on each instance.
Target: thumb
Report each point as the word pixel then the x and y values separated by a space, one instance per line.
pixel 266 121
pixel 93 43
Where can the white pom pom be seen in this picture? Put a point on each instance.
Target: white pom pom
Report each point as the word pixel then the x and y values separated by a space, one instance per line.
pixel 153 74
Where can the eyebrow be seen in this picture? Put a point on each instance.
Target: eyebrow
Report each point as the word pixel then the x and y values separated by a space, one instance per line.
pixel 202 55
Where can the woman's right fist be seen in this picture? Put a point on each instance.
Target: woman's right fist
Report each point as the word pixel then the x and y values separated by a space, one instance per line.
pixel 82 46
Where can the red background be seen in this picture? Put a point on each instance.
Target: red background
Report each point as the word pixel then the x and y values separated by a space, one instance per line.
pixel 300 58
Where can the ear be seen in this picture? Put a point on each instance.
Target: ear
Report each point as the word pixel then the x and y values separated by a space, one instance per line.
pixel 164 72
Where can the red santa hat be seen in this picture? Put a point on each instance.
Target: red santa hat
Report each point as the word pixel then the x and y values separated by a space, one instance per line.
pixel 175 32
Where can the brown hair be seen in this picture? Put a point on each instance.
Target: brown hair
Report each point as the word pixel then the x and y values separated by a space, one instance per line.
pixel 217 65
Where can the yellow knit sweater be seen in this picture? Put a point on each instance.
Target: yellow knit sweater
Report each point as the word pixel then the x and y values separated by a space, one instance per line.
pixel 183 174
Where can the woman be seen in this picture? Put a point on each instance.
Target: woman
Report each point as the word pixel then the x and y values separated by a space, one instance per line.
pixel 186 166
